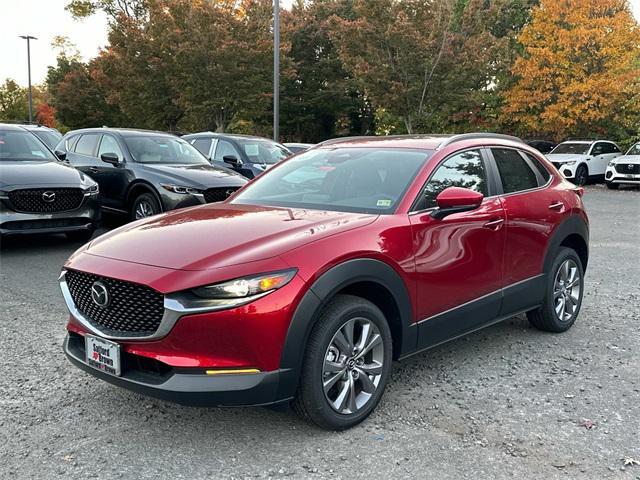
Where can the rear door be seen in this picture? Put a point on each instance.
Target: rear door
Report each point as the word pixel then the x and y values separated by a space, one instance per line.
pixel 113 179
pixel 533 208
pixel 82 154
pixel 458 259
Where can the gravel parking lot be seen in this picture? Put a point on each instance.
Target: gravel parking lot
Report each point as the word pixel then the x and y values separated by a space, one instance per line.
pixel 506 402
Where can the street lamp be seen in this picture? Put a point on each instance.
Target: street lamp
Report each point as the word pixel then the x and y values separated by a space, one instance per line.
pixel 28 38
pixel 276 70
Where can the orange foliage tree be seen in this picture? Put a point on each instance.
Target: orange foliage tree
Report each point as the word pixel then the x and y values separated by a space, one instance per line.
pixel 46 115
pixel 580 71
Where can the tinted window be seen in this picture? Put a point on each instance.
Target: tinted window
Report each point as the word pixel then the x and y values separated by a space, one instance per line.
pixel 343 179
pixel 544 173
pixel 21 145
pixel 202 145
pixel 515 172
pixel 464 170
pixel 608 147
pixel 87 144
pixel 225 149
pixel 110 145
pixel 598 149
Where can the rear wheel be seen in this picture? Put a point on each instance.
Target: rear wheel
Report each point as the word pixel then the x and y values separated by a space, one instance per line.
pixel 145 205
pixel 582 176
pixel 563 298
pixel 612 186
pixel 346 364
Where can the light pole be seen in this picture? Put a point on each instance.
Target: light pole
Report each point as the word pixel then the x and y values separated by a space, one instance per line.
pixel 28 38
pixel 276 70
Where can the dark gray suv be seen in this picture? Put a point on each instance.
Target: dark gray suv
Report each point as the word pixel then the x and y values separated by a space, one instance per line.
pixel 38 193
pixel 142 173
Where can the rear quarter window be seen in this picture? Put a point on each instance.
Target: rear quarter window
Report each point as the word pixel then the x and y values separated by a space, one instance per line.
pixel 542 170
pixel 515 173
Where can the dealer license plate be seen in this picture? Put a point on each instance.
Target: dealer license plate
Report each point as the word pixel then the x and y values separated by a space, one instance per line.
pixel 102 354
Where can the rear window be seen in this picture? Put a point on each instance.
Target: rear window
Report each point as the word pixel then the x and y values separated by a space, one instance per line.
pixel 514 171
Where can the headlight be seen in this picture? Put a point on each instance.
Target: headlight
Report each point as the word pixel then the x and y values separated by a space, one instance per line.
pixel 570 162
pixel 181 189
pixel 92 190
pixel 4 195
pixel 232 293
pixel 611 164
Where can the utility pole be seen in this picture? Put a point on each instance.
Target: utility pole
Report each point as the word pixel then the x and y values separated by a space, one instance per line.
pixel 276 70
pixel 28 38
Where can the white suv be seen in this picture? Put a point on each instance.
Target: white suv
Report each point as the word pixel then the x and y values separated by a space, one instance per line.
pixel 580 160
pixel 624 170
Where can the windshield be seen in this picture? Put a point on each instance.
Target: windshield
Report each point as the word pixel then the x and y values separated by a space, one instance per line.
pixel 264 151
pixel 362 180
pixel 635 150
pixel 569 147
pixel 156 149
pixel 21 145
pixel 48 137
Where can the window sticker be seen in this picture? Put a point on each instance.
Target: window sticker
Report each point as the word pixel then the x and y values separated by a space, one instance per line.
pixel 251 150
pixel 384 203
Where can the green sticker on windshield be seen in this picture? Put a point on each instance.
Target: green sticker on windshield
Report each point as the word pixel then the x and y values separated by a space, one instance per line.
pixel 383 203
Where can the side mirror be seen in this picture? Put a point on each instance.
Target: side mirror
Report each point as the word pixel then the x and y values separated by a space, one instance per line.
pixel 111 158
pixel 231 160
pixel 456 200
pixel 62 156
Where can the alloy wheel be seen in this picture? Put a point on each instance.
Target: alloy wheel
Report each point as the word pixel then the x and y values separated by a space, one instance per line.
pixel 352 366
pixel 566 290
pixel 144 209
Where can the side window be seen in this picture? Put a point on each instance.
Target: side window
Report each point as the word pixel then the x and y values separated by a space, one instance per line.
pixel 110 145
pixel 614 148
pixel 464 169
pixel 544 173
pixel 598 149
pixel 514 171
pixel 225 148
pixel 609 148
pixel 202 145
pixel 87 144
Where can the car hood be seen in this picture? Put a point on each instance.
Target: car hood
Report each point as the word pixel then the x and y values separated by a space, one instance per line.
pixel 199 176
pixel 634 159
pixel 38 173
pixel 220 235
pixel 564 157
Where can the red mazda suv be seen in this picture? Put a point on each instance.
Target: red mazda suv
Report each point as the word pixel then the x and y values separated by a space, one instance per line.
pixel 308 282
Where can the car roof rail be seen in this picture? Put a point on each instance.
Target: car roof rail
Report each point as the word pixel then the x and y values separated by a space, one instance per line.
pixel 476 135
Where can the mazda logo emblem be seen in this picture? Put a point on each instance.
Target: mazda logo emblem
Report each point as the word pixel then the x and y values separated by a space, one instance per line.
pixel 49 196
pixel 630 167
pixel 100 294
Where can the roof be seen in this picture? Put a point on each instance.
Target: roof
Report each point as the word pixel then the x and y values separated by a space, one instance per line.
pixel 234 136
pixel 125 132
pixel 427 141
pixel 9 126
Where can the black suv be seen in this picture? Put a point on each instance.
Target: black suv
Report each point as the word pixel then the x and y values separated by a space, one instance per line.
pixel 38 193
pixel 246 154
pixel 143 173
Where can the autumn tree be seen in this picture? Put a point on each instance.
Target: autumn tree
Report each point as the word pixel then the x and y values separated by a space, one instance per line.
pixel 580 71
pixel 13 101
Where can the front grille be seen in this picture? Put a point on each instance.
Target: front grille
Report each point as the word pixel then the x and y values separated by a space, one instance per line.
pixel 218 194
pixel 45 200
pixel 133 309
pixel 628 168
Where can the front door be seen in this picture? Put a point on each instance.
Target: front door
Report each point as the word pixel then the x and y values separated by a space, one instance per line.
pixel 458 259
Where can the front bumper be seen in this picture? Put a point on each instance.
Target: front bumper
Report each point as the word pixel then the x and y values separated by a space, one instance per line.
pixel 186 386
pixel 85 217
pixel 613 176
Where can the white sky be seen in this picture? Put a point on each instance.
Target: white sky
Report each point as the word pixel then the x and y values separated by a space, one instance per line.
pixel 47 18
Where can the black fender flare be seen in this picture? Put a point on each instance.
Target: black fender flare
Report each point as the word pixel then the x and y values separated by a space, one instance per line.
pixel 574 225
pixel 319 294
pixel 142 184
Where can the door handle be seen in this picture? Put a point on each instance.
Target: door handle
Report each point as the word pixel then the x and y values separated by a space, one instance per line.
pixel 556 206
pixel 93 169
pixel 495 224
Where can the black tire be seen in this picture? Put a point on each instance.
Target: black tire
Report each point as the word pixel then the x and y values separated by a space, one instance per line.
pixel 310 401
pixel 612 186
pixel 582 175
pixel 149 201
pixel 80 235
pixel 545 318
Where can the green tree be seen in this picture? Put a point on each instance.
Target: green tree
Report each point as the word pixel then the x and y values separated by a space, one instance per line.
pixel 13 101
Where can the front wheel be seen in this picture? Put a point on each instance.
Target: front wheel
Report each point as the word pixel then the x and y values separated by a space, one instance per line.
pixel 582 176
pixel 145 205
pixel 346 364
pixel 563 299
